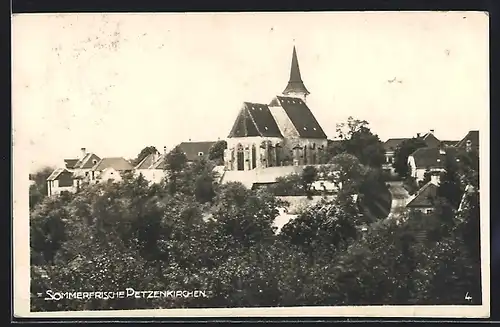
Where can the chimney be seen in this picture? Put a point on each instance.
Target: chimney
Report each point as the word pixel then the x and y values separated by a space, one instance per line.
pixel 83 152
pixel 431 131
pixel 165 150
pixel 418 135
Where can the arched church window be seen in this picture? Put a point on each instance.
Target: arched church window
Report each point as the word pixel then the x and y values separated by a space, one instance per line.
pixel 254 157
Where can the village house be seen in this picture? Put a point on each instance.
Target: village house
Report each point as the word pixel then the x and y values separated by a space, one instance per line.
pixel 392 144
pixel 425 198
pixel 429 159
pixel 110 169
pixel 152 167
pixel 195 151
pixel 61 180
pixel 470 142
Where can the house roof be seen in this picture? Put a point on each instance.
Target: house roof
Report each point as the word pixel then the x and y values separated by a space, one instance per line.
pixel 117 163
pixel 431 140
pixel 56 173
pixel 302 118
pixel 392 144
pixel 473 136
pixel 70 163
pixel 148 161
pixel 191 149
pixel 432 157
pixel 295 83
pixel 87 161
pixel 424 197
pixel 158 164
pixel 255 119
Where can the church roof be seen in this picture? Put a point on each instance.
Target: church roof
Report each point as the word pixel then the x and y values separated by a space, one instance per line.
pixel 302 118
pixel 295 84
pixel 255 119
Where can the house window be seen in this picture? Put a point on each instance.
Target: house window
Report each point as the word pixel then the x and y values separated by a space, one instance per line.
pixel 200 154
pixel 86 173
pixel 428 211
pixel 94 161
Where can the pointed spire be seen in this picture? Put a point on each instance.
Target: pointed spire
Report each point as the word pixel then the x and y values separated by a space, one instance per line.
pixel 295 85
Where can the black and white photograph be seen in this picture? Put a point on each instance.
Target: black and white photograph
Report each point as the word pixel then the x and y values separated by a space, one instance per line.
pixel 251 164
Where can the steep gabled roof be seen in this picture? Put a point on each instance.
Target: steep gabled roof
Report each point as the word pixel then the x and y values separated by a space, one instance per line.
pixel 56 173
pixel 87 162
pixel 425 196
pixel 302 118
pixel 432 157
pixel 192 149
pixel 392 144
pixel 431 140
pixel 148 161
pixel 117 163
pixel 159 164
pixel 255 119
pixel 70 163
pixel 473 136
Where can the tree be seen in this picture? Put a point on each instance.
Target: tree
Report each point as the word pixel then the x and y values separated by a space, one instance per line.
pixel 175 160
pixel 143 154
pixel 216 152
pixel 450 187
pixel 308 176
pixel 290 185
pixel 357 139
pixel 345 169
pixel 38 190
pixel 403 151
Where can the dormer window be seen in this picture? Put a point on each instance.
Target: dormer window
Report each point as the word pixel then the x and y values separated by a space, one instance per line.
pixel 94 161
pixel 438 160
pixel 305 128
pixel 314 128
pixel 200 154
pixel 265 127
pixel 442 152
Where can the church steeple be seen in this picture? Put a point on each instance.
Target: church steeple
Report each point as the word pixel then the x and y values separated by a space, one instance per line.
pixel 295 87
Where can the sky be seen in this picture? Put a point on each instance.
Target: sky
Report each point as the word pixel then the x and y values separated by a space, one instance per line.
pixel 116 83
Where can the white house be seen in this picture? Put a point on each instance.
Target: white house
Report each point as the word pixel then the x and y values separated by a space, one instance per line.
pixel 110 169
pixel 59 181
pixel 151 168
pixel 432 159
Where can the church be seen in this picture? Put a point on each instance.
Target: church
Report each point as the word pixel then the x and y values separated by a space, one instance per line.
pixel 281 133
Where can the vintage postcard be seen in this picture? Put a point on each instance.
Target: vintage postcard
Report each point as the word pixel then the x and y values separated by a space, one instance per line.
pixel 320 164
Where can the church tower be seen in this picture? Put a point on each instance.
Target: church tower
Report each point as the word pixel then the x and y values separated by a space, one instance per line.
pixel 295 87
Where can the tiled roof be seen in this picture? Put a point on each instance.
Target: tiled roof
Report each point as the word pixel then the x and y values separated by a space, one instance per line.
pixel 431 140
pixel 70 163
pixel 302 118
pixel 392 144
pixel 148 161
pixel 55 174
pixel 87 162
pixel 192 149
pixel 432 157
pixel 473 136
pixel 255 119
pixel 425 196
pixel 158 164
pixel 117 163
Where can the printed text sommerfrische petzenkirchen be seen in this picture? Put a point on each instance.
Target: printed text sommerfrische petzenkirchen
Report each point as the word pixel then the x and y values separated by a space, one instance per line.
pixel 128 293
